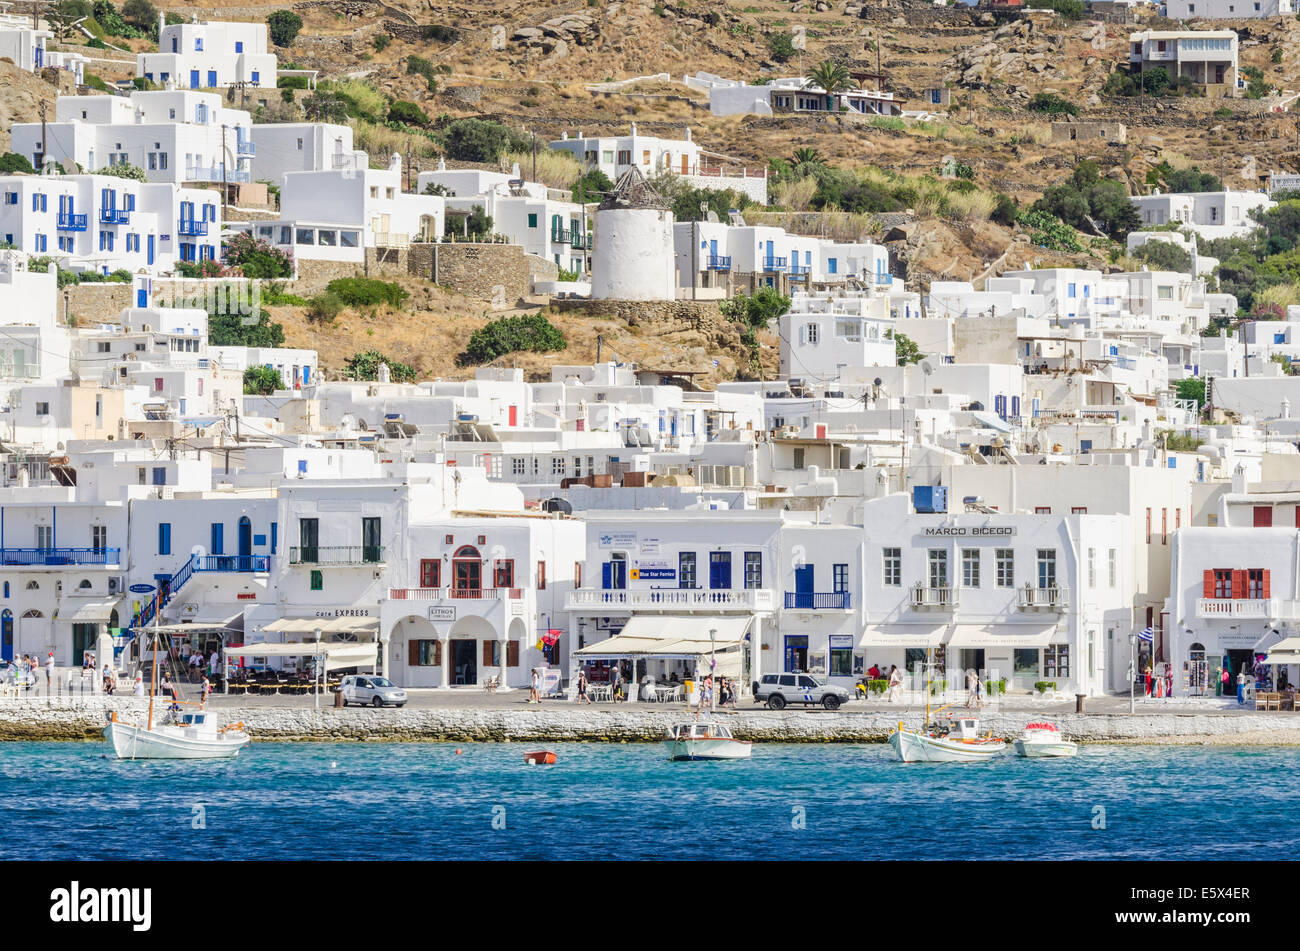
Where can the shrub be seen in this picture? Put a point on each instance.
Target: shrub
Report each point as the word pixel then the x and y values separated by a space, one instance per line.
pixel 1069 9
pixel 365 366
pixel 12 162
pixel 756 312
pixel 1052 105
pixel 367 292
pixel 200 269
pixel 325 308
pixel 477 225
pixel 419 66
pixel 1042 686
pixel 591 186
pixel 1005 210
pixel 258 259
pixel 480 140
pixel 436 31
pixel 141 14
pixel 131 172
pixel 1162 255
pixel 261 381
pixel 781 47
pixel 94 82
pixel 95 43
pixel 381 42
pixel 407 113
pixel 229 330
pixel 285 26
pixel 532 332
pixel 291 82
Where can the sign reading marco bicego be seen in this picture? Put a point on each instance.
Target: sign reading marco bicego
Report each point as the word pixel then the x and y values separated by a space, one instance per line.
pixel 970 531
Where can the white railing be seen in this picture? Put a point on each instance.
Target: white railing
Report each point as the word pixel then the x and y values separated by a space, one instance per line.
pixel 923 597
pixel 1053 597
pixel 454 594
pixel 1259 608
pixel 672 599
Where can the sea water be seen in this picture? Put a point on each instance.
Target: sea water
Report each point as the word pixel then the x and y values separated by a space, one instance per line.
pixel 627 801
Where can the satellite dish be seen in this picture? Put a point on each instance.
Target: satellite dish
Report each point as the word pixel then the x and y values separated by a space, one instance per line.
pixel 877 381
pixel 711 217
pixel 927 367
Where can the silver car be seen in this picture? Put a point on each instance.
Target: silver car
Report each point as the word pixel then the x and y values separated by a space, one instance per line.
pixel 376 691
pixel 779 689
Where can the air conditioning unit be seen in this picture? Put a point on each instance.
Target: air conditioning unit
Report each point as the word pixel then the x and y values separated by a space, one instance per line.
pixel 114 585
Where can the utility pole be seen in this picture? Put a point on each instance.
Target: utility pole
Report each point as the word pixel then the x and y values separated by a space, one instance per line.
pixel 223 173
pixel 43 108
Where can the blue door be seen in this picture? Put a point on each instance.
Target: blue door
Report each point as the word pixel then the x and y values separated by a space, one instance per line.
pixel 771 251
pixel 194 79
pixel 720 570
pixel 142 298
pixel 796 652
pixel 212 79
pixel 245 544
pixel 613 574
pixel 803 586
pixel 149 251
pixel 7 635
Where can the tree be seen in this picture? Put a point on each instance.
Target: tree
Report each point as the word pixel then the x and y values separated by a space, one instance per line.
pixel 405 112
pixel 592 185
pixel 480 140
pixel 261 381
pixel 531 332
pixel 258 259
pixel 365 366
pixel 905 350
pixel 477 225
pixel 230 330
pixel 780 47
pixel 831 77
pixel 141 14
pixel 756 312
pixel 285 26
pixel 1163 255
pixel 12 162
pixel 1193 180
pixel 1191 388
pixel 805 161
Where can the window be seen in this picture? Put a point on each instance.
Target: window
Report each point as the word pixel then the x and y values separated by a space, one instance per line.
pixel 839 578
pixel 1056 662
pixel 720 570
pixel 1148 526
pixel 98 537
pixel 893 558
pixel 317 580
pixel 218 534
pixel 141 475
pixel 811 333
pixel 532 220
pixel 686 569
pixel 503 575
pixel 424 653
pixel 541 576
pixel 1079 510
pixel 44 536
pixel 1047 567
pixel 309 539
pixel 430 573
pixel 1042 510
pixel 164 538
pixel 518 466
pixel 1006 567
pixel 42 409
pixel 970 567
pixel 1092 567
pixel 372 549
pixel 938 563
pixel 1255 583
pixel 1112 566
pixel 159 475
pixel 557 465
pixel 753 569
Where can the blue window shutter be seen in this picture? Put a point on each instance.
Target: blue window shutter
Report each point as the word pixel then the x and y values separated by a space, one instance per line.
pixel 605 576
pixel 164 538
pixel 218 543
pixel 275 535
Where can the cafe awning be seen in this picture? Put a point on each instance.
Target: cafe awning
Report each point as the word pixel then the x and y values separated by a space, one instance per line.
pixel 903 636
pixel 91 611
pixel 1001 635
pixel 333 625
pixel 345 654
pixel 1285 651
pixel 205 623
pixel 668 635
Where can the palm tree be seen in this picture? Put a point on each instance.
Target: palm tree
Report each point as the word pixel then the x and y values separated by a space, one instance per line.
pixel 830 76
pixel 803 158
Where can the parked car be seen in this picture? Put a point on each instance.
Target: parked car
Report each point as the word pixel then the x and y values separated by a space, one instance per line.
pixel 779 689
pixel 376 691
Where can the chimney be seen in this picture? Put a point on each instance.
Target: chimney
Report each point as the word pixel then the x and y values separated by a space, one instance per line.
pixel 162 22
pixel 395 162
pixel 688 133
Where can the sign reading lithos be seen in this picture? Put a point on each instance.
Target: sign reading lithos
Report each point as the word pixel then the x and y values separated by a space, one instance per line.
pixel 970 531
pixel 442 612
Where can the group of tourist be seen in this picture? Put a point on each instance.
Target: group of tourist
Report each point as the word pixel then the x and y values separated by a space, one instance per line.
pixel 894 691
pixel 25 671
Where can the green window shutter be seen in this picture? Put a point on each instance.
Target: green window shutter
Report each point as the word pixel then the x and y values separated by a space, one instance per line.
pixel 316 581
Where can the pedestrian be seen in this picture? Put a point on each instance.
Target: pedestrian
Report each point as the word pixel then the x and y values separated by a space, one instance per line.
pixel 1169 680
pixel 614 682
pixel 534 691
pixel 213 662
pixel 109 684
pixel 979 692
pixel 1241 686
pixel 138 690
pixel 895 684
pixel 582 687
pixel 706 701
pixel 166 688
pixel 207 689
pixel 1225 679
pixel 49 671
pixel 1147 675
pixel 972 688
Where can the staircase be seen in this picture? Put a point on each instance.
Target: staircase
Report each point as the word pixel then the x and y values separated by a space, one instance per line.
pixel 196 563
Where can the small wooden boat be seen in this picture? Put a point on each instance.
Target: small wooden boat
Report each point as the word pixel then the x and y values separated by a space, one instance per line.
pixel 707 740
pixel 1044 739
pixel 540 758
pixel 958 741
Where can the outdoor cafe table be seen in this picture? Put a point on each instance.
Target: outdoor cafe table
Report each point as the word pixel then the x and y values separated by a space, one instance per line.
pixel 600 692
pixel 666 694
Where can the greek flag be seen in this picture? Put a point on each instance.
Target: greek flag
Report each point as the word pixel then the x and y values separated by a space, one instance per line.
pixel 1146 634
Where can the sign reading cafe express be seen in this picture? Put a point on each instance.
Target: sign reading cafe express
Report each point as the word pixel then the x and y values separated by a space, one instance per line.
pixel 970 531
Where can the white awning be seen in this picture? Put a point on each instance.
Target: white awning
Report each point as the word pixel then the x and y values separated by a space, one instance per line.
pixel 1001 635
pixel 1273 657
pixel 902 636
pixel 333 625
pixel 345 654
pixel 671 636
pixel 1288 645
pixel 91 611
pixel 204 623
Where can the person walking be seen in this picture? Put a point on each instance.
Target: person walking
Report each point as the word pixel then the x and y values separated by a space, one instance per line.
pixel 1241 686
pixel 895 684
pixel 614 678
pixel 972 688
pixel 1147 676
pixel 1169 681
pixel 581 696
pixel 534 685
pixel 138 689
pixel 49 672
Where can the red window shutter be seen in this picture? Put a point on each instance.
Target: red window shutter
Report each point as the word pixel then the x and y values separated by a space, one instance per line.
pixel 1266 594
pixel 512 654
pixel 1263 516
pixel 413 653
pixel 541 576
pixel 1239 583
pixel 1297 516
pixel 487 654
pixel 1207 583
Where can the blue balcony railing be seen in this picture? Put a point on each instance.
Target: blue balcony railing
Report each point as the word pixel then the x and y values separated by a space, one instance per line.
pixel 60 556
pixel 800 269
pixel 232 563
pixel 69 222
pixel 818 600
pixel 188 226
pixel 114 216
pixel 718 262
pixel 245 148
pixel 775 264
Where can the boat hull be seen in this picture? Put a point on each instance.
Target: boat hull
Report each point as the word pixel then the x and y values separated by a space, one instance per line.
pixel 709 748
pixel 135 742
pixel 1054 748
pixel 918 748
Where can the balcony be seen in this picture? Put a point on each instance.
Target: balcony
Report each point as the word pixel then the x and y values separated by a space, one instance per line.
pixel 114 216
pixel 670 600
pixel 39 557
pixel 1259 609
pixel 933 599
pixel 818 600
pixel 338 555
pixel 560 236
pixel 579 240
pixel 775 264
pixel 800 270
pixel 466 594
pixel 254 563
pixel 214 174
pixel 718 262
pixel 1049 599
pixel 71 222
pixel 192 228
pixel 245 147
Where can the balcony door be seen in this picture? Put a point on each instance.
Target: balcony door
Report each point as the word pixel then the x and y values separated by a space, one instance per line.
pixel 720 570
pixel 309 539
pixel 803 586
pixel 466 572
pixel 245 544
pixel 371 547
pixel 7 635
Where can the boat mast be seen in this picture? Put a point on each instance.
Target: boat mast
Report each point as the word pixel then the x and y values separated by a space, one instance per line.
pixel 929 675
pixel 153 680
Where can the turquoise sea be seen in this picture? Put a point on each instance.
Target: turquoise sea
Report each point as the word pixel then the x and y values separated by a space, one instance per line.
pixel 625 801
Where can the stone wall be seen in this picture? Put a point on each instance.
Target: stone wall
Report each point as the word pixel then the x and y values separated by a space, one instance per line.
pixel 1089 132
pixel 95 303
pixel 485 271
pixel 314 275
pixel 669 316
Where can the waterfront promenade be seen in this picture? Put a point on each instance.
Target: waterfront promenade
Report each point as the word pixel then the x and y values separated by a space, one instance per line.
pixel 470 715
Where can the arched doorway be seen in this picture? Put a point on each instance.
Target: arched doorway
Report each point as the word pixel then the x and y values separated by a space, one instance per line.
pixel 416 654
pixel 465 650
pixel 7 634
pixel 466 573
pixel 245 544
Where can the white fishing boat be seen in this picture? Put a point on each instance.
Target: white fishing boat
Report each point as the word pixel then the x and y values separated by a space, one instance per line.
pixel 1044 739
pixel 707 740
pixel 179 734
pixel 183 736
pixel 958 741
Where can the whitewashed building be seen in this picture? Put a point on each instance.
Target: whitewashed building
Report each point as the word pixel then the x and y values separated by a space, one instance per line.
pixel 209 55
pixel 1211 215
